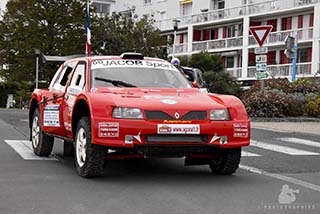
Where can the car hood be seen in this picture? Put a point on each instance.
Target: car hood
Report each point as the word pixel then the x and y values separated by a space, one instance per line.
pixel 161 99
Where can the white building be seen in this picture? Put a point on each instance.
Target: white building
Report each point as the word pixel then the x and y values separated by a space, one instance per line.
pixel 222 27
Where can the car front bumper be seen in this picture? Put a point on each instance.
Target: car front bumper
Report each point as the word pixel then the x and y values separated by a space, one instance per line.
pixel 177 135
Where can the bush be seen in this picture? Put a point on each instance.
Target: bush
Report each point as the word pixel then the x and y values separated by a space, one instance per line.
pixel 271 104
pixel 312 107
pixel 282 98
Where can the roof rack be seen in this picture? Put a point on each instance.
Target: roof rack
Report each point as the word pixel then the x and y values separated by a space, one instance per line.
pixel 130 55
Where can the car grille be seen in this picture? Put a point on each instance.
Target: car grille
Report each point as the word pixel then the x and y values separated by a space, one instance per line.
pixel 192 115
pixel 176 138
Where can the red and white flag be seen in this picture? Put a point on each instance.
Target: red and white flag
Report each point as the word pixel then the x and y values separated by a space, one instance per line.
pixel 88 32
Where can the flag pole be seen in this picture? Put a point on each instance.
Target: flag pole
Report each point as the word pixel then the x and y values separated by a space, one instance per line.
pixel 88 32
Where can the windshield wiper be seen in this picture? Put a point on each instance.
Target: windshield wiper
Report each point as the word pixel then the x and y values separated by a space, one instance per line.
pixel 115 82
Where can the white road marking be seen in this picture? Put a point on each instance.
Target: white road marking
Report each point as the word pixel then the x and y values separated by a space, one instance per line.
pixel 281 177
pixel 24 149
pixel 281 149
pixel 249 154
pixel 271 129
pixel 300 141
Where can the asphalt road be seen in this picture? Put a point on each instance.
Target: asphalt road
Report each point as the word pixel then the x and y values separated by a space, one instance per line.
pixel 162 185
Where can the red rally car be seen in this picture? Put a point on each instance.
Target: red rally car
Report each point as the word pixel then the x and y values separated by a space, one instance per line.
pixel 131 106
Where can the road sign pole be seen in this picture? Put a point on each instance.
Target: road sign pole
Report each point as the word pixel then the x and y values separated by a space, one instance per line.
pixel 260 34
pixel 294 60
pixel 262 86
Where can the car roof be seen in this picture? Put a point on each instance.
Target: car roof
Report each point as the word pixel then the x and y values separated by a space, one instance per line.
pixel 103 57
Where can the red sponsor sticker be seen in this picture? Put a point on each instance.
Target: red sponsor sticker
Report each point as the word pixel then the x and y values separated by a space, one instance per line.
pixel 240 130
pixel 108 129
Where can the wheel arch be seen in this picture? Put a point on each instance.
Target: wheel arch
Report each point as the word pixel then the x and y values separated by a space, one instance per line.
pixel 32 108
pixel 81 109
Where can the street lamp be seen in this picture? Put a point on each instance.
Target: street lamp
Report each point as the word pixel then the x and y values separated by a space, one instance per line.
pixel 37 52
pixel 175 24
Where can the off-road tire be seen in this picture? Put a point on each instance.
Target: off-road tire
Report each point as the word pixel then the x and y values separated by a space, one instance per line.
pixel 227 163
pixel 45 143
pixel 92 165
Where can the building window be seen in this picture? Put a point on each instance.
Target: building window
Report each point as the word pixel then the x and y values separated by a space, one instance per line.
pixel 147 2
pixel 286 23
pixel 303 55
pixel 217 4
pixel 102 8
pixel 229 61
pixel 186 9
pixel 231 31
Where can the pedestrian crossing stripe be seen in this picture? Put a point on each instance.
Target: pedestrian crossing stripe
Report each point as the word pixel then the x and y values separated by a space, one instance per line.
pixel 25 150
pixel 300 141
pixel 281 149
pixel 249 154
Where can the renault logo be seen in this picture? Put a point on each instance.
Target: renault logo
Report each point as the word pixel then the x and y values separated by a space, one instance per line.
pixel 177 115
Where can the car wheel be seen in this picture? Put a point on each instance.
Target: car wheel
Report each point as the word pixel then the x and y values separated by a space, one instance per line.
pixel 42 144
pixel 227 163
pixel 89 159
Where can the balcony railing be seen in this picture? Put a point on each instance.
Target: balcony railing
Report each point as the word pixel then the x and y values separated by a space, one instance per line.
pixel 234 72
pixel 180 48
pixel 235 12
pixel 233 42
pixel 304 34
pixel 284 70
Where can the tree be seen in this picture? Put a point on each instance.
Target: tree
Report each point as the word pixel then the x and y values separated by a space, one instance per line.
pixel 118 33
pixel 217 79
pixel 57 28
pixel 54 27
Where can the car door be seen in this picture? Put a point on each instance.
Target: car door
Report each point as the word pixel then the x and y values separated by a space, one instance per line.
pixel 76 86
pixel 52 102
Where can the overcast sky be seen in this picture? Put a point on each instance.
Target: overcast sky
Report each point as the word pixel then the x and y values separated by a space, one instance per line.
pixel 3 4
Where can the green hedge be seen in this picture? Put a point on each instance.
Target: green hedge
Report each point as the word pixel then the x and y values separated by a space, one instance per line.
pixel 284 99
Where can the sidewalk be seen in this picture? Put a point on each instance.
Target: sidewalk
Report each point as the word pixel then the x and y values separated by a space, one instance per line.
pixel 302 127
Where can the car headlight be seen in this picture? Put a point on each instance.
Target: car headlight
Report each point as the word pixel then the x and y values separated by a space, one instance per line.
pixel 127 113
pixel 221 114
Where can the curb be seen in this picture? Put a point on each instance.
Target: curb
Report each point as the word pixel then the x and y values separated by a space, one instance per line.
pixel 285 119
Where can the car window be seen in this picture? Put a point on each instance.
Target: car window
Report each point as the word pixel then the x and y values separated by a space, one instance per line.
pixel 63 77
pixel 78 78
pixel 109 73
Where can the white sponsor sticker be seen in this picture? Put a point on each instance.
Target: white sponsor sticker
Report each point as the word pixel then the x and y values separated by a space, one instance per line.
pixel 96 64
pixel 178 129
pixel 240 130
pixel 169 102
pixel 51 115
pixel 108 129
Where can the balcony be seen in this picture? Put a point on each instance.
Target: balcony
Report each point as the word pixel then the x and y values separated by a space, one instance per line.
pixel 234 72
pixel 236 12
pixel 284 70
pixel 304 34
pixel 212 45
pixel 179 49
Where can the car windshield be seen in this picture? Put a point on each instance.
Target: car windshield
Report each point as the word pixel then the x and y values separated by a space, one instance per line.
pixel 120 73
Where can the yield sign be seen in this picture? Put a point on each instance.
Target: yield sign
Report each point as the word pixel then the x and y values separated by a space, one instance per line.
pixel 260 33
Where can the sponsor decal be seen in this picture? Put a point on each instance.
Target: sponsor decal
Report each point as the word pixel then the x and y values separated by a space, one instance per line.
pixel 240 130
pixel 169 102
pixel 96 64
pixel 108 129
pixel 178 129
pixel 51 116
